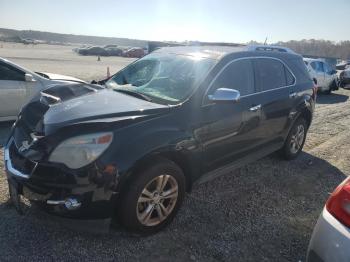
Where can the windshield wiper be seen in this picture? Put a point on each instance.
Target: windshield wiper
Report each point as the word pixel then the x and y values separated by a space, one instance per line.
pixel 134 94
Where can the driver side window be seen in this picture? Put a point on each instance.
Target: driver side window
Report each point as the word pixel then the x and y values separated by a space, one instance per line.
pixel 238 75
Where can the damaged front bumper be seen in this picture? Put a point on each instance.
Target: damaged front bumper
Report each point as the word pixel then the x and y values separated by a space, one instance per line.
pixel 85 194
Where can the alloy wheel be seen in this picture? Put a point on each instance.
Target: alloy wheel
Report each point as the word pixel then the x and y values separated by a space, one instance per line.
pixel 297 139
pixel 157 200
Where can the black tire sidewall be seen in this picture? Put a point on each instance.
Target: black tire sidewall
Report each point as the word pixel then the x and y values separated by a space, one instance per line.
pixel 126 211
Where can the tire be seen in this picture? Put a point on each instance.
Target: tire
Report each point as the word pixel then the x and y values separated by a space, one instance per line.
pixel 141 203
pixel 334 85
pixel 329 91
pixel 292 148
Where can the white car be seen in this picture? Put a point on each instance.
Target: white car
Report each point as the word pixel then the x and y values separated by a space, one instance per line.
pixel 330 239
pixel 18 85
pixel 324 76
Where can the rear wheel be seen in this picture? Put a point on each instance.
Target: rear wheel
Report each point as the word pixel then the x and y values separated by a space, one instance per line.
pixel 153 198
pixel 295 139
pixel 329 91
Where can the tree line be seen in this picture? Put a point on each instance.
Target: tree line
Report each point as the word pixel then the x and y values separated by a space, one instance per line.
pixel 313 47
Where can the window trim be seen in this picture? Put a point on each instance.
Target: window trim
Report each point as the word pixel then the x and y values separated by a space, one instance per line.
pixel 259 92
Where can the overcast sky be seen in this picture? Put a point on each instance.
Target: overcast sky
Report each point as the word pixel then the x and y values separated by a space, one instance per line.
pixel 205 20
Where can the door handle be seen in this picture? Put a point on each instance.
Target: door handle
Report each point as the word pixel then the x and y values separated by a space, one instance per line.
pixel 255 108
pixel 292 95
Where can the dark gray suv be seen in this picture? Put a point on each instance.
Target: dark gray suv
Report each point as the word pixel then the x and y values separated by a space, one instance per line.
pixel 130 148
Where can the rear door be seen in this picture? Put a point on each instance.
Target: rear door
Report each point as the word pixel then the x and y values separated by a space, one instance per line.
pixel 12 90
pixel 228 130
pixel 276 96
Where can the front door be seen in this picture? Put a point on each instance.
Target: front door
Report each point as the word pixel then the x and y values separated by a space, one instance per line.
pixel 227 128
pixel 12 90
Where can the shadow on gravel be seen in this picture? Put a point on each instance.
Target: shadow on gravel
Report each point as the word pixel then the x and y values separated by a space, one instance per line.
pixel 5 128
pixel 331 99
pixel 264 211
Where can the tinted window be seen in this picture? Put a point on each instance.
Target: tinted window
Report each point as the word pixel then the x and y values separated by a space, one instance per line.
pixel 10 73
pixel 270 74
pixel 289 77
pixel 238 75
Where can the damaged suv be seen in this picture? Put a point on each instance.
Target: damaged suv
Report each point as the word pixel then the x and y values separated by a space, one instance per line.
pixel 130 149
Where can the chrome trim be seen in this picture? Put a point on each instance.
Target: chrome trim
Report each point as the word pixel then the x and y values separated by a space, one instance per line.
pixel 8 163
pixel 251 58
pixel 255 108
pixel 55 202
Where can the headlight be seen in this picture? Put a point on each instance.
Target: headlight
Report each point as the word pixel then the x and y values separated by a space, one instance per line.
pixel 79 151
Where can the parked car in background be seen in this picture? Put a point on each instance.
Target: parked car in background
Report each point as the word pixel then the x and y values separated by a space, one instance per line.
pixel 344 77
pixel 18 85
pixel 342 65
pixel 323 75
pixel 330 240
pixel 178 116
pixel 135 52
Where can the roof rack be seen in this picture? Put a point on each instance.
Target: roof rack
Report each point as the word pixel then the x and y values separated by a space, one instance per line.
pixel 270 48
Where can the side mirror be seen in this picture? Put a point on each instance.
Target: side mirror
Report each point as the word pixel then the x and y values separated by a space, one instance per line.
pixel 29 78
pixel 225 95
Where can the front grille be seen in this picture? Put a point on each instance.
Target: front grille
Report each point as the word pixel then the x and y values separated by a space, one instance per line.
pixel 19 162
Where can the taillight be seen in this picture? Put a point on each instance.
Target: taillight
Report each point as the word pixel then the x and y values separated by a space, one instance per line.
pixel 339 203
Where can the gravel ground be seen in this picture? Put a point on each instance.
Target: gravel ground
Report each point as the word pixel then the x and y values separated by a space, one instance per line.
pixel 264 211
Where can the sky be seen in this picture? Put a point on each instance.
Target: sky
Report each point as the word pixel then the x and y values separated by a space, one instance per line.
pixel 177 20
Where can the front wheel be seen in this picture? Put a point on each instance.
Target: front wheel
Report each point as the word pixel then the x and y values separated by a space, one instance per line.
pixel 295 140
pixel 153 198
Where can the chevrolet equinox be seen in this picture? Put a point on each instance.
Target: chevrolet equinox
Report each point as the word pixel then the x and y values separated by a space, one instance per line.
pixel 129 149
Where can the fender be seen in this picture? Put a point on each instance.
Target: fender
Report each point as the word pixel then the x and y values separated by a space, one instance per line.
pixel 172 143
pixel 304 106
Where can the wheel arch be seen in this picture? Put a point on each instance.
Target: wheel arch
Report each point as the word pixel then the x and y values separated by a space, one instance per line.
pixel 179 158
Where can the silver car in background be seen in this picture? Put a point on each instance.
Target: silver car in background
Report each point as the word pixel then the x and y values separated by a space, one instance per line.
pixel 323 74
pixel 330 241
pixel 18 85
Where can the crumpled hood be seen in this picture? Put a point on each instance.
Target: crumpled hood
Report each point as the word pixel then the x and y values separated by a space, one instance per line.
pixel 105 103
pixel 65 105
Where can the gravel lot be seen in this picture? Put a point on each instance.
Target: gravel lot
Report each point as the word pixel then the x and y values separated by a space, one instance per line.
pixel 264 211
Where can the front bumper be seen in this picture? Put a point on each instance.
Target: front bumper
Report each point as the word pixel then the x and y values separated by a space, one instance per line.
pixel 330 240
pixel 50 186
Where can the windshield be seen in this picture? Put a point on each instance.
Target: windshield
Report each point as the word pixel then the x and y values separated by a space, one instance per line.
pixel 163 78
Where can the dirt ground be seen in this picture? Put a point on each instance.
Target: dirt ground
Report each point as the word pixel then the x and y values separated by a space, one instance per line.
pixel 61 60
pixel 264 211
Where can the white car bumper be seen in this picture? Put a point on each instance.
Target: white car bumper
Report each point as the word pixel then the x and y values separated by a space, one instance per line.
pixel 330 240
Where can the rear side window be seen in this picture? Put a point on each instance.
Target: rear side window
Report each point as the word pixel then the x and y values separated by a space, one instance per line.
pixel 237 75
pixel 271 74
pixel 10 73
pixel 289 77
